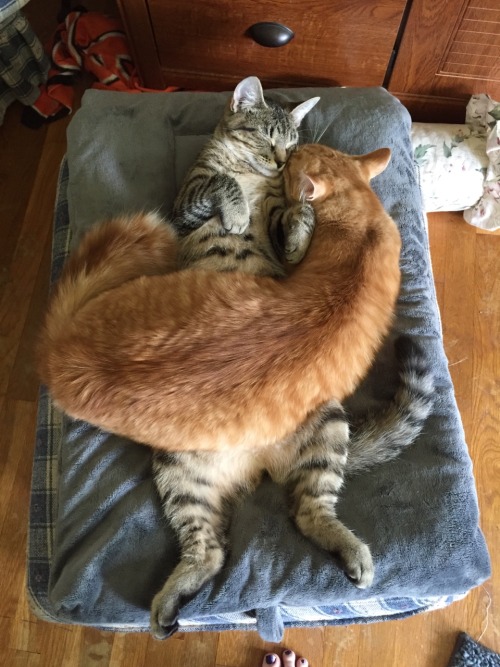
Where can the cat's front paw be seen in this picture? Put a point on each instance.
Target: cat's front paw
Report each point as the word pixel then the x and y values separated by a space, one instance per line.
pixel 236 224
pixel 296 243
pixel 298 227
pixel 164 616
pixel 235 215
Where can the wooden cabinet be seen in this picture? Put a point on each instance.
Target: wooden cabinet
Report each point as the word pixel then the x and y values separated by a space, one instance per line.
pixel 205 43
pixel 450 50
pixel 432 54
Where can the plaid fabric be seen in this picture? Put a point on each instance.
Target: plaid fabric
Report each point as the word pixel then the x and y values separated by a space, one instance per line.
pixel 9 7
pixel 43 515
pixel 23 63
pixel 43 504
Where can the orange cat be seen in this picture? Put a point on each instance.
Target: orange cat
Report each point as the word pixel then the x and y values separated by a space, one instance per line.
pixel 214 361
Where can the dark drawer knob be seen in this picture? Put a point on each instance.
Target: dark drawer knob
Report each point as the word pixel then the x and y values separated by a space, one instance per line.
pixel 270 34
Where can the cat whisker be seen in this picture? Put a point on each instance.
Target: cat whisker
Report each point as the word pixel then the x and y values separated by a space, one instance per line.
pixel 306 135
pixel 319 137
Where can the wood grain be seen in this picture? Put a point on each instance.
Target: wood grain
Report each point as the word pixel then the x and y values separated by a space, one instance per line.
pixel 448 52
pixel 135 16
pixel 447 49
pixel 336 42
pixel 31 235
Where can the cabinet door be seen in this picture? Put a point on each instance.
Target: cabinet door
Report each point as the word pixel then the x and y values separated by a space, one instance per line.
pixel 205 43
pixel 450 50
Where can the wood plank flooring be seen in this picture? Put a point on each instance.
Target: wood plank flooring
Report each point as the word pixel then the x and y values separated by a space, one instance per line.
pixel 467 277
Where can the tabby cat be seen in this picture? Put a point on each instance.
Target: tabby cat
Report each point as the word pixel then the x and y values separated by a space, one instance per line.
pixel 197 489
pixel 146 358
pixel 240 171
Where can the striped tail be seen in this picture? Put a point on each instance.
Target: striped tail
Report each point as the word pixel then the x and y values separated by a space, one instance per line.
pixel 382 436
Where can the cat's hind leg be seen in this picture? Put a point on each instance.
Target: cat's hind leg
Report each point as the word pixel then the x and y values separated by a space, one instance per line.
pixel 196 491
pixel 314 482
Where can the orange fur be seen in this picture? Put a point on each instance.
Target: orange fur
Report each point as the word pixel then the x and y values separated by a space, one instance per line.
pixel 198 360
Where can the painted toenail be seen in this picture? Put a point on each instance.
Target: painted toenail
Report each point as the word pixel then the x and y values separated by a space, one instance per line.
pixel 288 652
pixel 270 659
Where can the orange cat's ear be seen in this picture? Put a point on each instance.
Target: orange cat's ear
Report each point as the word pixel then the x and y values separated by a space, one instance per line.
pixel 375 162
pixel 311 188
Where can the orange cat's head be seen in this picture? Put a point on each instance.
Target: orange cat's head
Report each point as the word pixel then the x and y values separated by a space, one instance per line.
pixel 315 172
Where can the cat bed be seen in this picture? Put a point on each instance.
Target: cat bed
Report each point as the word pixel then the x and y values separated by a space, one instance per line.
pixel 99 548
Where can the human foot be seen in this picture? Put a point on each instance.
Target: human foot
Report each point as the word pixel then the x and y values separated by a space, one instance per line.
pixel 288 659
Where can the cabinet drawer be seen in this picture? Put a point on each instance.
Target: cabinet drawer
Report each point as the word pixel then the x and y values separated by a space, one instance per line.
pixel 205 43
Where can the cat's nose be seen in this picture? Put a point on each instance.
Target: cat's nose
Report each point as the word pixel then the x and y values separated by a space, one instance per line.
pixel 280 156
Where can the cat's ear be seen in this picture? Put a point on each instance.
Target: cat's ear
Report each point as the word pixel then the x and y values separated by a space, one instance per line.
pixel 375 162
pixel 311 188
pixel 300 111
pixel 247 94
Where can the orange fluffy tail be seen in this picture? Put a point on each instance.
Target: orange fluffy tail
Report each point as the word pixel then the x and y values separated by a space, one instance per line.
pixel 110 254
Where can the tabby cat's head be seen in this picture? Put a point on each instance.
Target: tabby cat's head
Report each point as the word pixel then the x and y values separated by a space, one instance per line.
pixel 262 133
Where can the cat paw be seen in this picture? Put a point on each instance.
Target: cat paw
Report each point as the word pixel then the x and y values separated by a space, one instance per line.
pixel 297 233
pixel 356 561
pixel 236 223
pixel 296 244
pixel 238 226
pixel 164 617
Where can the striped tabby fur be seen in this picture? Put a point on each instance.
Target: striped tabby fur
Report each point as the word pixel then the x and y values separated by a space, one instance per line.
pixel 236 183
pixel 198 489
pixel 237 173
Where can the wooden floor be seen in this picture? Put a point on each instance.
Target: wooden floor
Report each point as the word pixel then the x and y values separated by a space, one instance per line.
pixel 467 275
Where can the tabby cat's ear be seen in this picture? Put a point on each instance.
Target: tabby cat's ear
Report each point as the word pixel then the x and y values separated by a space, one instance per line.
pixel 247 94
pixel 311 188
pixel 375 163
pixel 300 111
